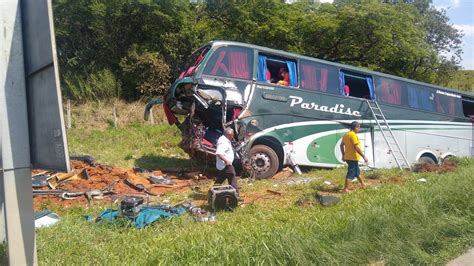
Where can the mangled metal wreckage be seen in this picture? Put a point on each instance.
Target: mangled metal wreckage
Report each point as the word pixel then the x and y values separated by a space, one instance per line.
pixel 212 94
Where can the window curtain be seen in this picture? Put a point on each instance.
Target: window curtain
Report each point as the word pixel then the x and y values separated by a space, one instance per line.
pixel 426 98
pixel 342 82
pixel 370 84
pixel 238 65
pixel 293 73
pixel 413 97
pixel 262 68
pixel 309 77
pixel 219 64
pixel 323 81
pixel 391 92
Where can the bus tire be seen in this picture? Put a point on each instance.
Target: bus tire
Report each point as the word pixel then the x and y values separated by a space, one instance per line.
pixel 426 160
pixel 264 162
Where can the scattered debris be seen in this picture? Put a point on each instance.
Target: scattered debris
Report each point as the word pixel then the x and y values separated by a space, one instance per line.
pixel 97 181
pixel 284 173
pixel 328 200
pixel 222 198
pixel 423 180
pixel 328 186
pixel 139 214
pixel 275 192
pixel 447 166
pixel 163 180
pixel 40 180
pixel 300 180
pixel 45 218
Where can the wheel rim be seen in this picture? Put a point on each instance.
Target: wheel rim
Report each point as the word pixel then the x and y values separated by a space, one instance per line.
pixel 260 162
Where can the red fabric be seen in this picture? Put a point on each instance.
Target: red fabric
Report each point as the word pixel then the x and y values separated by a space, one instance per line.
pixel 219 64
pixel 269 75
pixel 207 142
pixel 391 92
pixel 169 115
pixel 236 113
pixel 309 80
pixel 323 83
pixel 238 65
pixel 452 106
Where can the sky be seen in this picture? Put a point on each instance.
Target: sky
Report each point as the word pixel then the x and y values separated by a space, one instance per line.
pixel 461 15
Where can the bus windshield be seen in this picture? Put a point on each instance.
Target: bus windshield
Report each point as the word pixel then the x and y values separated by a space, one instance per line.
pixel 193 61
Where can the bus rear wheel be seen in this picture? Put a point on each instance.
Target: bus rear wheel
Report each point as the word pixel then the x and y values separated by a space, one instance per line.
pixel 426 160
pixel 263 162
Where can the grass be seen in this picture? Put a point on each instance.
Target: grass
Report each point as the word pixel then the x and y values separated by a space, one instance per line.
pixel 404 223
pixel 131 146
pixel 412 223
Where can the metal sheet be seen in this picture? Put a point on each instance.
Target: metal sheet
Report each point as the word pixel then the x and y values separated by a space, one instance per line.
pixel 48 146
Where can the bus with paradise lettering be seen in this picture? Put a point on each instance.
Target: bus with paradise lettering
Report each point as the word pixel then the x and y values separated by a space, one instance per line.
pixel 289 109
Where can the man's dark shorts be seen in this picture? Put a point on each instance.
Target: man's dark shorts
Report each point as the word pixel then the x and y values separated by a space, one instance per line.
pixel 353 169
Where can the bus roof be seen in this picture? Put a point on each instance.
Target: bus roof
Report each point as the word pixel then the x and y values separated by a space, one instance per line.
pixel 218 43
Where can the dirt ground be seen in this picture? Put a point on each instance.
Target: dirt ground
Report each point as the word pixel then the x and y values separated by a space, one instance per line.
pixel 116 182
pixel 120 181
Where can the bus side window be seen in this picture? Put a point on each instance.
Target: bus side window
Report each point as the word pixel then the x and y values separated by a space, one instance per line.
pixel 389 91
pixel 421 98
pixel 468 107
pixel 232 62
pixel 319 77
pixel 277 70
pixel 448 104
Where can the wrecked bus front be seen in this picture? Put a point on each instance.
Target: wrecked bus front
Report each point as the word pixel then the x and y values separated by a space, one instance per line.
pixel 209 95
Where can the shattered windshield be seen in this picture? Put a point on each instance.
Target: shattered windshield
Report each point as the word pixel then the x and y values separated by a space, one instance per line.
pixel 194 60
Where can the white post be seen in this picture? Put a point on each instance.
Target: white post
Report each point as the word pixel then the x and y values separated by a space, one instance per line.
pixel 114 113
pixel 152 119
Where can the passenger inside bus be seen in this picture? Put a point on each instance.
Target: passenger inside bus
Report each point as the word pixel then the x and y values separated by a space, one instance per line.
pixel 346 90
pixel 284 77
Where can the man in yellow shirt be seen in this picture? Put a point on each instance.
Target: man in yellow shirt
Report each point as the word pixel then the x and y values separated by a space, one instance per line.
pixel 351 153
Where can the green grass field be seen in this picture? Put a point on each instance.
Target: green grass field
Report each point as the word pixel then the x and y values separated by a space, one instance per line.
pixel 406 223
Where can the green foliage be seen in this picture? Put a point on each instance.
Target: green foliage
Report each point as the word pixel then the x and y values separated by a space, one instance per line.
pixel 405 38
pixel 144 74
pixel 99 85
pixel 462 80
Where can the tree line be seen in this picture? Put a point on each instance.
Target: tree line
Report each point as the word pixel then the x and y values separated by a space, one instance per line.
pixel 135 48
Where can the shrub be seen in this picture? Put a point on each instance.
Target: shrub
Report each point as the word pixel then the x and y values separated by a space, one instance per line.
pixel 144 73
pixel 101 85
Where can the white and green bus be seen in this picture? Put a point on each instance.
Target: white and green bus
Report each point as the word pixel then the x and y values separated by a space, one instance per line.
pixel 292 109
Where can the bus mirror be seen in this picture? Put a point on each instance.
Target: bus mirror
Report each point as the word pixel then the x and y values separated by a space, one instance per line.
pixel 150 105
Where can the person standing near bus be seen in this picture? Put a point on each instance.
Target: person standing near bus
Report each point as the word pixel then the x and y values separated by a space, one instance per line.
pixel 351 153
pixel 224 160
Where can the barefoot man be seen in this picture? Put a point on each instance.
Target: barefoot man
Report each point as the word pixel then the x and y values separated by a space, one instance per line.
pixel 351 153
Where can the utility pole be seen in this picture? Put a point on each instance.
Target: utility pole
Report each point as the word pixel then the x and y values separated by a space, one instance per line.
pixel 32 131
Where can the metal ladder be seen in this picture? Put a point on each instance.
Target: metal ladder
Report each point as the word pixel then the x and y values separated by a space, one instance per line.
pixel 392 142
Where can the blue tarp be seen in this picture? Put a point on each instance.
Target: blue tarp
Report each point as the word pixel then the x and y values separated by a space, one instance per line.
pixel 146 216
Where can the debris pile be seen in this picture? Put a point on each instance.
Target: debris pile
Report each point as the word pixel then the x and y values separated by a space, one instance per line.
pixel 447 166
pixel 90 181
